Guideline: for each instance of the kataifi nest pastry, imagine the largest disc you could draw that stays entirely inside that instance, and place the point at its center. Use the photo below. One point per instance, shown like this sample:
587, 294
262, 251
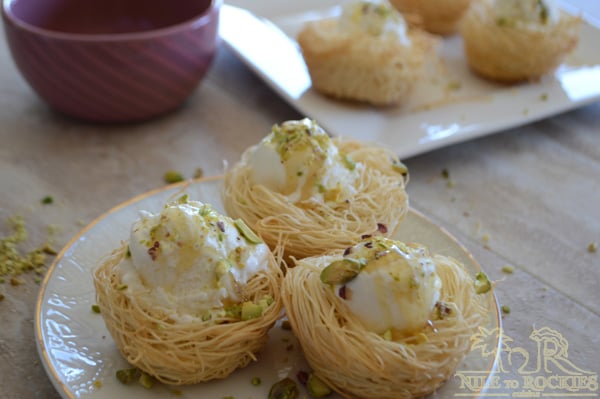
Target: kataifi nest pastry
312, 193
517, 40
191, 295
383, 319
366, 54
436, 16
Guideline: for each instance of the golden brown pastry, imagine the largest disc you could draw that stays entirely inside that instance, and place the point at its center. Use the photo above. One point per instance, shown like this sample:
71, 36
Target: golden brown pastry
436, 16
516, 40
191, 296
383, 319
366, 54
315, 193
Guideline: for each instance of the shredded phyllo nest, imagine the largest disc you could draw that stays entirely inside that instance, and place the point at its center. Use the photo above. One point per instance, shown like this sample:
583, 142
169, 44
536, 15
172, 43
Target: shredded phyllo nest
154, 343
338, 347
513, 51
309, 226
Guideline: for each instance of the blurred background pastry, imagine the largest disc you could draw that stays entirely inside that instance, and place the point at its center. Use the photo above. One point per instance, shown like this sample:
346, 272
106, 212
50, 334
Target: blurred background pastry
366, 54
517, 40
436, 16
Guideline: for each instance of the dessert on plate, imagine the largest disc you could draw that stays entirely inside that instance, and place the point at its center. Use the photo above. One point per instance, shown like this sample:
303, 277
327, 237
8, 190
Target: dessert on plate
366, 54
312, 193
191, 295
383, 319
517, 40
436, 16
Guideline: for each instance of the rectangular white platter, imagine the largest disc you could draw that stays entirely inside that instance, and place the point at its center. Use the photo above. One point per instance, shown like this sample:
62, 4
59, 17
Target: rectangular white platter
449, 105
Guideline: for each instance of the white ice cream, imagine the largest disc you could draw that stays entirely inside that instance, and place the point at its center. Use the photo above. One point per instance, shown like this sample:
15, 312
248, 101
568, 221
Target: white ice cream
396, 290
299, 160
189, 261
377, 18
526, 11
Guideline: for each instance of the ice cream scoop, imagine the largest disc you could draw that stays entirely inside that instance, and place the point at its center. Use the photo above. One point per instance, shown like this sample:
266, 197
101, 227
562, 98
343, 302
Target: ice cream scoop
377, 18
299, 160
386, 284
190, 261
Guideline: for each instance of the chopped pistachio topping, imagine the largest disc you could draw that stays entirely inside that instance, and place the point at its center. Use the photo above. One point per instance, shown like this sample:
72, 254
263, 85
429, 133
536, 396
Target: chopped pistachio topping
247, 310
293, 136
234, 311
544, 97
47, 249
316, 387
126, 376
445, 173
505, 309
95, 308
246, 232
502, 21
387, 335
223, 267
13, 262
266, 301
183, 199
47, 200
255, 381
340, 271
284, 389
146, 380
592, 248
251, 311
482, 283
206, 317
121, 287
172, 176
205, 210
372, 17
508, 269
349, 162
399, 167
454, 85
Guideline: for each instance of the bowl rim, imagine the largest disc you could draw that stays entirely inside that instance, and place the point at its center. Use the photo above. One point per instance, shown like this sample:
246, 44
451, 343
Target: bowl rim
192, 23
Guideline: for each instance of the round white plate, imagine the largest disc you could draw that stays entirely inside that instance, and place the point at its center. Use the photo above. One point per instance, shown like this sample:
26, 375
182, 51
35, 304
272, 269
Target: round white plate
81, 358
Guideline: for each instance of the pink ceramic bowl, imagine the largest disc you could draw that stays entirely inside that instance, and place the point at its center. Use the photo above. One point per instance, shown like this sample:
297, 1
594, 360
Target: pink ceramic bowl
112, 60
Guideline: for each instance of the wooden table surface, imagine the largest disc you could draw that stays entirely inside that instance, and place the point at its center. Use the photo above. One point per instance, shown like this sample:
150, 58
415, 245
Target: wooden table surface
527, 197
